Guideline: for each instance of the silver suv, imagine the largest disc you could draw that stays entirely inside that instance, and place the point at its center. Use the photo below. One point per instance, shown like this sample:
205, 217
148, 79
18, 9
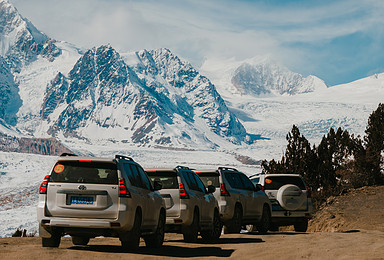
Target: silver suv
86, 197
290, 198
190, 206
240, 202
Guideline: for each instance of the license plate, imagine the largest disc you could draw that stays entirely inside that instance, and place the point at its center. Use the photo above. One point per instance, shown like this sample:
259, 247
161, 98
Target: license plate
82, 200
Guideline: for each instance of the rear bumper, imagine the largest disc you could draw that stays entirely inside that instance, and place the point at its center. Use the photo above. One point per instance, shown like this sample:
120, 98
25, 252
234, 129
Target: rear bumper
48, 224
226, 210
185, 217
289, 217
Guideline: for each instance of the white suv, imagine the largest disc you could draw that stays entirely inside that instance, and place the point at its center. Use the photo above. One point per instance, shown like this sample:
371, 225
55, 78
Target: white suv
190, 206
86, 197
290, 198
240, 202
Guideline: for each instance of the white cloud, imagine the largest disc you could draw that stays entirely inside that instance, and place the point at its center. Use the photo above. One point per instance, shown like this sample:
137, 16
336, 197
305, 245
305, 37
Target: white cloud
197, 29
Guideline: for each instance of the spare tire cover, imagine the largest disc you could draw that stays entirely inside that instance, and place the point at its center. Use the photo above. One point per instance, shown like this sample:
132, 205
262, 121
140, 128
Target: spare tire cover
290, 197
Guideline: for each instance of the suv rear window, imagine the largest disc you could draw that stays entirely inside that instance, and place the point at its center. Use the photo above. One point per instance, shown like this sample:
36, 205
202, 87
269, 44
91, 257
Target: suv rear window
275, 182
167, 179
210, 178
84, 172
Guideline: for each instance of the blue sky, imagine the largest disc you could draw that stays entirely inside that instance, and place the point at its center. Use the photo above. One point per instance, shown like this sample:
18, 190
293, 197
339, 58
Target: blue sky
338, 41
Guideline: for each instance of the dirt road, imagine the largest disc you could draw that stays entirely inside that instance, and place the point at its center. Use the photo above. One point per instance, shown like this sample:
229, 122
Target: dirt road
355, 244
356, 220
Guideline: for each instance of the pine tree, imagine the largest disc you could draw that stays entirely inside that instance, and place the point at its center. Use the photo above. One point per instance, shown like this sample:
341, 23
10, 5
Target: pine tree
299, 157
374, 152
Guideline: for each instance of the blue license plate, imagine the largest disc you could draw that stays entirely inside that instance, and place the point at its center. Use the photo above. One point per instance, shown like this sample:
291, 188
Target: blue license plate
82, 200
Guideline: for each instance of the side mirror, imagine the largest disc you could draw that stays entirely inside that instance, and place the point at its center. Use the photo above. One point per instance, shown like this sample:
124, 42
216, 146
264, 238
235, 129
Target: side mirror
157, 185
258, 187
211, 189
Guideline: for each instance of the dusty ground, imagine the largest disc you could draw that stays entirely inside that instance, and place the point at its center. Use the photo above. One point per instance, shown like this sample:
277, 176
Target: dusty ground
358, 209
356, 220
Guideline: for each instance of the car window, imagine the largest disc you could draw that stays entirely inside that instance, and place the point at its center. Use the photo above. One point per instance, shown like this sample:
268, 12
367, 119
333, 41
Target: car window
191, 181
210, 179
133, 175
167, 179
234, 180
247, 182
146, 182
200, 184
84, 172
275, 182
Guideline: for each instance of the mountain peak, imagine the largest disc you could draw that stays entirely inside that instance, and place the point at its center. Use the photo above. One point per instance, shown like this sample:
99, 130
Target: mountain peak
20, 40
267, 77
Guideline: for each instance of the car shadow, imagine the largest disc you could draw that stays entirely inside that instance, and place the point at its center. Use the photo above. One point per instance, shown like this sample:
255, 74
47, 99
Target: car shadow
225, 240
278, 233
166, 250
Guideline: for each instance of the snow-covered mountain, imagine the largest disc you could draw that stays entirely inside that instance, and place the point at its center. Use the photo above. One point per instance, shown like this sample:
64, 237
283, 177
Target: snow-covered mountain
158, 99
259, 77
10, 101
93, 95
21, 42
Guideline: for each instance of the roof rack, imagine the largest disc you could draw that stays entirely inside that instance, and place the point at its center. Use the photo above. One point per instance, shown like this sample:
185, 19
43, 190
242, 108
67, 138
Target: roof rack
182, 167
68, 154
228, 168
122, 157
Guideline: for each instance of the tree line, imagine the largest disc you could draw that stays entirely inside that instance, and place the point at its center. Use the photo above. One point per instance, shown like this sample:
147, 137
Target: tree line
340, 161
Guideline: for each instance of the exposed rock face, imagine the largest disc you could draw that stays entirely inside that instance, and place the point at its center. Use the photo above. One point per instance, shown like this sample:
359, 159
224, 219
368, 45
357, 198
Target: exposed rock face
44, 146
10, 100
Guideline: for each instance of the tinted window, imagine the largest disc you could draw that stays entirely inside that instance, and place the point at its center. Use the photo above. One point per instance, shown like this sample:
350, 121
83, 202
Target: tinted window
168, 179
191, 181
144, 178
133, 175
200, 184
210, 179
246, 182
84, 172
234, 180
275, 182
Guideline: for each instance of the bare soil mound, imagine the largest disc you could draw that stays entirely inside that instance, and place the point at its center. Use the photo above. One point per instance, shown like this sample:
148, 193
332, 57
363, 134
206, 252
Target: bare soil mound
357, 209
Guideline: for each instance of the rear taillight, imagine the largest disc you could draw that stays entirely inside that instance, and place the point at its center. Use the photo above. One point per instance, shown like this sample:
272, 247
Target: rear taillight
309, 192
183, 192
123, 191
44, 185
223, 190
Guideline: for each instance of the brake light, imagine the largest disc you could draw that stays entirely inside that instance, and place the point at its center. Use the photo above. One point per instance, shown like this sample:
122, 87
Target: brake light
123, 191
309, 192
183, 192
223, 190
85, 161
44, 185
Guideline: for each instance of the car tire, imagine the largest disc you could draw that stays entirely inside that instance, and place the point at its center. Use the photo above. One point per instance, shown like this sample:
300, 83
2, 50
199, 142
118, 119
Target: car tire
131, 240
191, 232
234, 225
301, 226
265, 222
215, 233
53, 241
80, 241
290, 197
156, 240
